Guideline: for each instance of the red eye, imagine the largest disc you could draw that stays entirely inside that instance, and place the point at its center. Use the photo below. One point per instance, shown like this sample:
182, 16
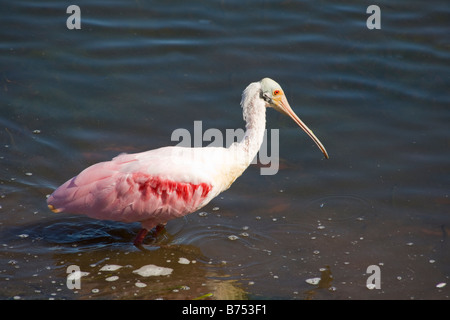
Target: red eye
276, 92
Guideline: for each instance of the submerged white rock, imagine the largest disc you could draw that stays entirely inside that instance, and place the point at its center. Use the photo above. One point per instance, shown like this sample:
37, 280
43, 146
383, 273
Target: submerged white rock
183, 261
110, 267
140, 284
313, 281
151, 270
112, 278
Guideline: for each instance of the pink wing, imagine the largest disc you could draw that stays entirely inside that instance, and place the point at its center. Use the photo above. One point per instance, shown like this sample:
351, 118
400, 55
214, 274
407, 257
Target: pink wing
127, 189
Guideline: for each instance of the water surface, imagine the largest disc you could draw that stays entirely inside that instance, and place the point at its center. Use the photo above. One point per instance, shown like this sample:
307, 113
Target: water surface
137, 70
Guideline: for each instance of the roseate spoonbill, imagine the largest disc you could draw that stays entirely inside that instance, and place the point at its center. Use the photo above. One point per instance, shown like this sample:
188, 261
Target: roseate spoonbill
156, 186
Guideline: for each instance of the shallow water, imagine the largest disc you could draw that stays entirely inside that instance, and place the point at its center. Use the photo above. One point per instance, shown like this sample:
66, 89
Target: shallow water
136, 71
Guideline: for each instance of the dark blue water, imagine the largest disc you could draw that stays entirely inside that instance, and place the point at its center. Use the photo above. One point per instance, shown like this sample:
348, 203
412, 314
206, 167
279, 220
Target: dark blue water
138, 70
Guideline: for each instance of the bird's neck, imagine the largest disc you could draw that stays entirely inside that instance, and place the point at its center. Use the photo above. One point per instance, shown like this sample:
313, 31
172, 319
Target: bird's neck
240, 154
254, 112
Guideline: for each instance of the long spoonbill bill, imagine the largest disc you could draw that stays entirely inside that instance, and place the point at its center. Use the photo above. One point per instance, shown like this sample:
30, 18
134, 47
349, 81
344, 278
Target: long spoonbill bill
159, 185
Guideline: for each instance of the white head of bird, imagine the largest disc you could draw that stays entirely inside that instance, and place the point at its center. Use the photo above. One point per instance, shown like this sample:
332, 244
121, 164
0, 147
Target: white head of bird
273, 95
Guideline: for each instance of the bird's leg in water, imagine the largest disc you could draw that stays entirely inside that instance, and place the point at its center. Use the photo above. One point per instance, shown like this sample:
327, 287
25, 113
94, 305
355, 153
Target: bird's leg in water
158, 229
140, 237
143, 232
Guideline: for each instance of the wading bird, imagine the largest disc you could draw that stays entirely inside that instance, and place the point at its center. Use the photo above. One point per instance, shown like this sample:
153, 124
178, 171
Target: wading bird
159, 185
